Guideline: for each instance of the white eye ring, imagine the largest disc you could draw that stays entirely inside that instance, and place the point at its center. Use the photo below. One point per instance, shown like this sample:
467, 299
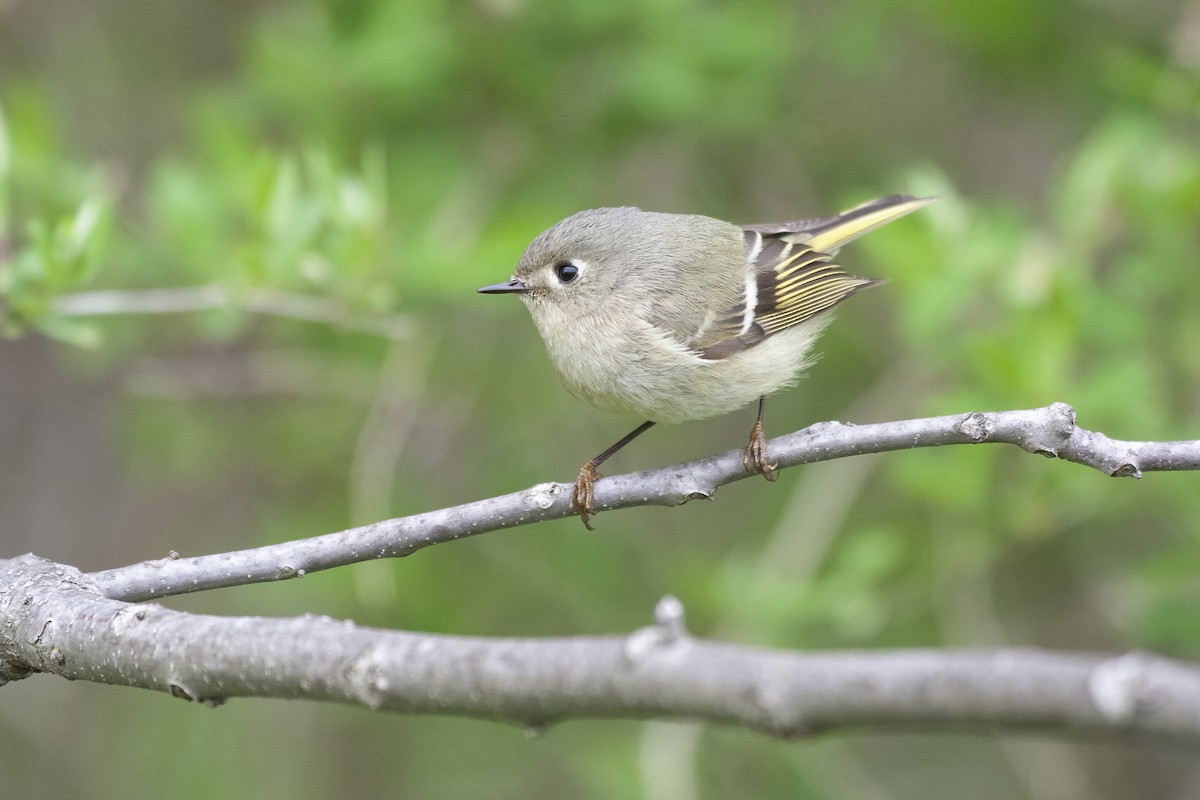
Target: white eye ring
567, 271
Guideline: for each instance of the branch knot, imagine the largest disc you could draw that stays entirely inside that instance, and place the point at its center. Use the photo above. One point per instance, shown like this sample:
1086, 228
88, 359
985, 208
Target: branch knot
1114, 686
669, 627
975, 426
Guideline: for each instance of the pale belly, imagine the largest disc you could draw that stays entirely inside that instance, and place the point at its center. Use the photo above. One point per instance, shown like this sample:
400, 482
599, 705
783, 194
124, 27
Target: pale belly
650, 377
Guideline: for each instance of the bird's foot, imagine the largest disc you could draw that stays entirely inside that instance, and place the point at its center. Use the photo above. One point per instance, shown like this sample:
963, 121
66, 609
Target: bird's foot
583, 493
755, 457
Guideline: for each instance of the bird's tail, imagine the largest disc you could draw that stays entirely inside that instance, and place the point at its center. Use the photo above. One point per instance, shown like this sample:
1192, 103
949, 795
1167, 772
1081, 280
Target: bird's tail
847, 226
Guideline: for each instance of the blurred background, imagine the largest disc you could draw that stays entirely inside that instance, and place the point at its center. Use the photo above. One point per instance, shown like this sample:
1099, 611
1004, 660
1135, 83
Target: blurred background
239, 248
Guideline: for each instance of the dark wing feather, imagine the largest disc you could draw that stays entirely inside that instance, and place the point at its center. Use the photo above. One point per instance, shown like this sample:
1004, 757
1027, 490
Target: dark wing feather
794, 283
801, 286
795, 278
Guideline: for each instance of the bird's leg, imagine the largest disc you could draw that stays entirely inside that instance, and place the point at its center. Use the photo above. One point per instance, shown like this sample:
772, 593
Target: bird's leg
755, 457
583, 493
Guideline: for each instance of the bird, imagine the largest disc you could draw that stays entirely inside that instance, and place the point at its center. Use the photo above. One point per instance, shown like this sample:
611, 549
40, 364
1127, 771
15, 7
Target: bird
678, 317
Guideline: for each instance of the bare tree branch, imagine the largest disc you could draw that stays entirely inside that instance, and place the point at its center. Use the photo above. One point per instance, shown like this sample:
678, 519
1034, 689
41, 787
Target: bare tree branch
54, 620
1049, 431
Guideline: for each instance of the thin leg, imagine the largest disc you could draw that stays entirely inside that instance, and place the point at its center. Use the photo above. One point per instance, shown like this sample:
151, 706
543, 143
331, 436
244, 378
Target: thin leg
755, 458
582, 494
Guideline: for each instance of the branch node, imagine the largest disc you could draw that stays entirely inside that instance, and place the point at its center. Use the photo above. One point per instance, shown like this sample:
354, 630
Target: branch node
180, 691
1113, 686
367, 678
126, 618
975, 426
670, 619
1039, 449
1126, 470
544, 495
669, 628
641, 642
184, 693
1066, 412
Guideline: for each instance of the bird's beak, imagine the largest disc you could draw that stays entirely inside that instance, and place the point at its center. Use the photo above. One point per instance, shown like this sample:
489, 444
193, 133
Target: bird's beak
512, 287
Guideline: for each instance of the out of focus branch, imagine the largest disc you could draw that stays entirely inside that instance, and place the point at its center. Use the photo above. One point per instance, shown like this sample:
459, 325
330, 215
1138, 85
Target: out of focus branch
53, 619
256, 301
1049, 431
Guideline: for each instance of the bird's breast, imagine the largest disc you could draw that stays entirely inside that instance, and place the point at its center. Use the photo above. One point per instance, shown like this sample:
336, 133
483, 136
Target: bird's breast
629, 367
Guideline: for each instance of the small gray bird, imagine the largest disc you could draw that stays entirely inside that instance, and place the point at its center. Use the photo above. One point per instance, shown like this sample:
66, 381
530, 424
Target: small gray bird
672, 317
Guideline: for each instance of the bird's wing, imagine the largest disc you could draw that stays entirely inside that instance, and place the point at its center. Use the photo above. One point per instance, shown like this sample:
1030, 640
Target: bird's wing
793, 277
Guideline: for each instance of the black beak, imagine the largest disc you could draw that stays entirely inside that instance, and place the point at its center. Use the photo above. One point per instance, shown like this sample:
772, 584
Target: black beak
512, 287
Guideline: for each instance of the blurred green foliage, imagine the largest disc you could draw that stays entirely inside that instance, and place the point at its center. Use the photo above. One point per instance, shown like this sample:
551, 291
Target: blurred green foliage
377, 160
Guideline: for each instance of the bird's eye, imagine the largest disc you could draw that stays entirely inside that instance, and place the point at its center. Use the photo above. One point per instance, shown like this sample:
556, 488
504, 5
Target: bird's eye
566, 272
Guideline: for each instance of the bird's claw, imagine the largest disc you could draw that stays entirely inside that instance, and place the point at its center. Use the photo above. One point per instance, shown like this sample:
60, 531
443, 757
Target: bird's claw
583, 493
755, 457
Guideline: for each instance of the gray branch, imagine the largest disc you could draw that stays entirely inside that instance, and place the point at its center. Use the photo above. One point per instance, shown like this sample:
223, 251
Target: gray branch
53, 619
308, 308
1049, 431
